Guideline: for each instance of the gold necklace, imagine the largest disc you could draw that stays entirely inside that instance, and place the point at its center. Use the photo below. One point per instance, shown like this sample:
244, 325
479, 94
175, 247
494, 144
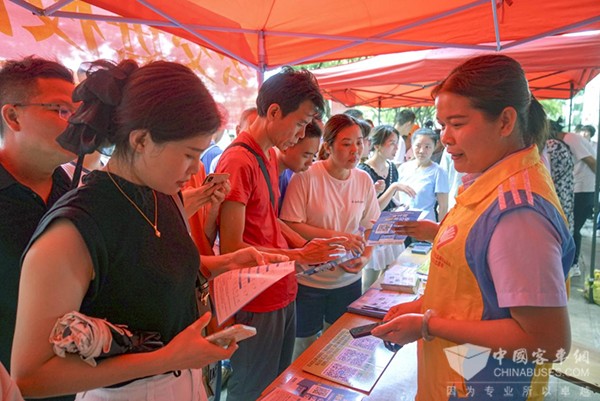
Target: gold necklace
155, 225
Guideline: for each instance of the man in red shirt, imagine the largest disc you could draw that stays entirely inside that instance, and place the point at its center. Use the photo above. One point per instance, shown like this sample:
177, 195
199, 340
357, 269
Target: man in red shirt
286, 102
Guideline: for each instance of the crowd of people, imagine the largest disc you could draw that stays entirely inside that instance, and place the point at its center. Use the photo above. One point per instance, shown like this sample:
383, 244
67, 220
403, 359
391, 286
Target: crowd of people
141, 233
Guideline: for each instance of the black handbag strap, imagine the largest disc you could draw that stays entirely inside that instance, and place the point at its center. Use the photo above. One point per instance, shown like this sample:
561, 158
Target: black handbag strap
263, 167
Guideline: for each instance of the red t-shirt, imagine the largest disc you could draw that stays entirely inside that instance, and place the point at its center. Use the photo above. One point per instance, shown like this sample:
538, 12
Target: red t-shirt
248, 186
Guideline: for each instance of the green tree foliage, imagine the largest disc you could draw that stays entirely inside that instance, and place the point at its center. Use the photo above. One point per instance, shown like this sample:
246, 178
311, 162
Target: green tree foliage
553, 108
566, 109
325, 64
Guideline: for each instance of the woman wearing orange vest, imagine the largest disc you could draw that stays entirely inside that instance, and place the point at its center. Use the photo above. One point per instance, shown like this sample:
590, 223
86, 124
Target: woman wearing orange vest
494, 314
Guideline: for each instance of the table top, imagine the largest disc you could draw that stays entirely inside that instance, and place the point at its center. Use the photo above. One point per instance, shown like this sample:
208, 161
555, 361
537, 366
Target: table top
398, 381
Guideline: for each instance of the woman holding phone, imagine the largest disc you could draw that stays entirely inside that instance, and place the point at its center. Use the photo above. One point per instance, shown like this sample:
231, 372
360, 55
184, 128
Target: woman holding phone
118, 248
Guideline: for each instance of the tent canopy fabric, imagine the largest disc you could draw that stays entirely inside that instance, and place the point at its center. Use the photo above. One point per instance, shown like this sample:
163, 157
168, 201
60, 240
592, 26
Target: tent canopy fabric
266, 34
69, 41
556, 67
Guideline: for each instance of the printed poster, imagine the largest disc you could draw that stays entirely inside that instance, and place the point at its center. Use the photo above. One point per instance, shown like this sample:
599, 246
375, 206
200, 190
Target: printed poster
234, 289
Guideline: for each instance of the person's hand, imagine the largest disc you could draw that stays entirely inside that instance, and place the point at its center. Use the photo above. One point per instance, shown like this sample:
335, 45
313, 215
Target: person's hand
421, 230
320, 250
250, 256
219, 194
355, 243
189, 350
401, 309
355, 265
405, 188
379, 186
401, 330
195, 198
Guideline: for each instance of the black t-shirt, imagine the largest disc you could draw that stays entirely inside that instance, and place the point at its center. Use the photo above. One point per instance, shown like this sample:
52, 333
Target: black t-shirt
392, 177
141, 280
20, 212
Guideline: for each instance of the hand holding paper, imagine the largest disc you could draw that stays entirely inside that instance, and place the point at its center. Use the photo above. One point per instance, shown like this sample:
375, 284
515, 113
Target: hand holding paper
383, 232
250, 256
234, 289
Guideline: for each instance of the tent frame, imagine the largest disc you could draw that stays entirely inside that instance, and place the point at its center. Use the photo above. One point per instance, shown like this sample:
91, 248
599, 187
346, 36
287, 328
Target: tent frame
261, 67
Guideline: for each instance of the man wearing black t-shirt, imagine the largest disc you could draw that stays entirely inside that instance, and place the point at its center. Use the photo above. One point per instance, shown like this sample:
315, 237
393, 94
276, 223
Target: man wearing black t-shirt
35, 95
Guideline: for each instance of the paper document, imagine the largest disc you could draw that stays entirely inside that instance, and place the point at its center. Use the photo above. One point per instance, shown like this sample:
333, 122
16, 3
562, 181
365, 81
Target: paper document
234, 289
355, 363
376, 302
382, 233
279, 394
302, 389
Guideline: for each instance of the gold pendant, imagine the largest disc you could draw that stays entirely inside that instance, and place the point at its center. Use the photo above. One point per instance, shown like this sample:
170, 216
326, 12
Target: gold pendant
156, 232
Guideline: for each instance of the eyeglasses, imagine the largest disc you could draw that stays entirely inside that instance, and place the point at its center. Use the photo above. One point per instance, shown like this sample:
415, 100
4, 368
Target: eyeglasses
63, 112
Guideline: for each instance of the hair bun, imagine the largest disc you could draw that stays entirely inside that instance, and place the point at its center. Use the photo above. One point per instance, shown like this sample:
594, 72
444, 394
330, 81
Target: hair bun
92, 125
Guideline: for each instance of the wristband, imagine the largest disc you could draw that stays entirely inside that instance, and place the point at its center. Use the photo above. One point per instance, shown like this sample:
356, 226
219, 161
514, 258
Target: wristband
425, 325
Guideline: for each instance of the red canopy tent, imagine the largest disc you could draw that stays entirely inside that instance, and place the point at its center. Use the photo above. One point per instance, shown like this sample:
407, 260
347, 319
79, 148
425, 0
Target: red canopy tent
266, 34
556, 67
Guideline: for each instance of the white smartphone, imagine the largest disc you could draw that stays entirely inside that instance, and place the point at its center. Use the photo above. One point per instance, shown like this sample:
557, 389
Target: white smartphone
216, 178
237, 332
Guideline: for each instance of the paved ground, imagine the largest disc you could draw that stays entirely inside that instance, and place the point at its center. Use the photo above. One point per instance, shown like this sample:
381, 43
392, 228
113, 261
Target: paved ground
585, 327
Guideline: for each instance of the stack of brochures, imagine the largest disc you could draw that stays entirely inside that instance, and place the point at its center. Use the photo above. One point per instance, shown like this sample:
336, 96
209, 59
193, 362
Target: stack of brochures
401, 277
421, 248
376, 302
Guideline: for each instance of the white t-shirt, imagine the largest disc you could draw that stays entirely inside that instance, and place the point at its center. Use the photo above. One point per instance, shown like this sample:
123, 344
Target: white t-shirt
585, 179
454, 177
316, 198
427, 182
400, 153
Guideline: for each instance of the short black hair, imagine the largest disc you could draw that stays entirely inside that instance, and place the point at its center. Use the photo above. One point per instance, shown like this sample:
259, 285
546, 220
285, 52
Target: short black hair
405, 116
589, 129
18, 78
365, 127
312, 130
289, 89
355, 113
426, 132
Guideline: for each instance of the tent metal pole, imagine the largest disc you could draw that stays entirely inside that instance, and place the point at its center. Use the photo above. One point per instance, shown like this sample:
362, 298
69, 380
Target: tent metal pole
48, 11
590, 278
261, 58
556, 31
379, 111
571, 89
496, 30
189, 30
260, 77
